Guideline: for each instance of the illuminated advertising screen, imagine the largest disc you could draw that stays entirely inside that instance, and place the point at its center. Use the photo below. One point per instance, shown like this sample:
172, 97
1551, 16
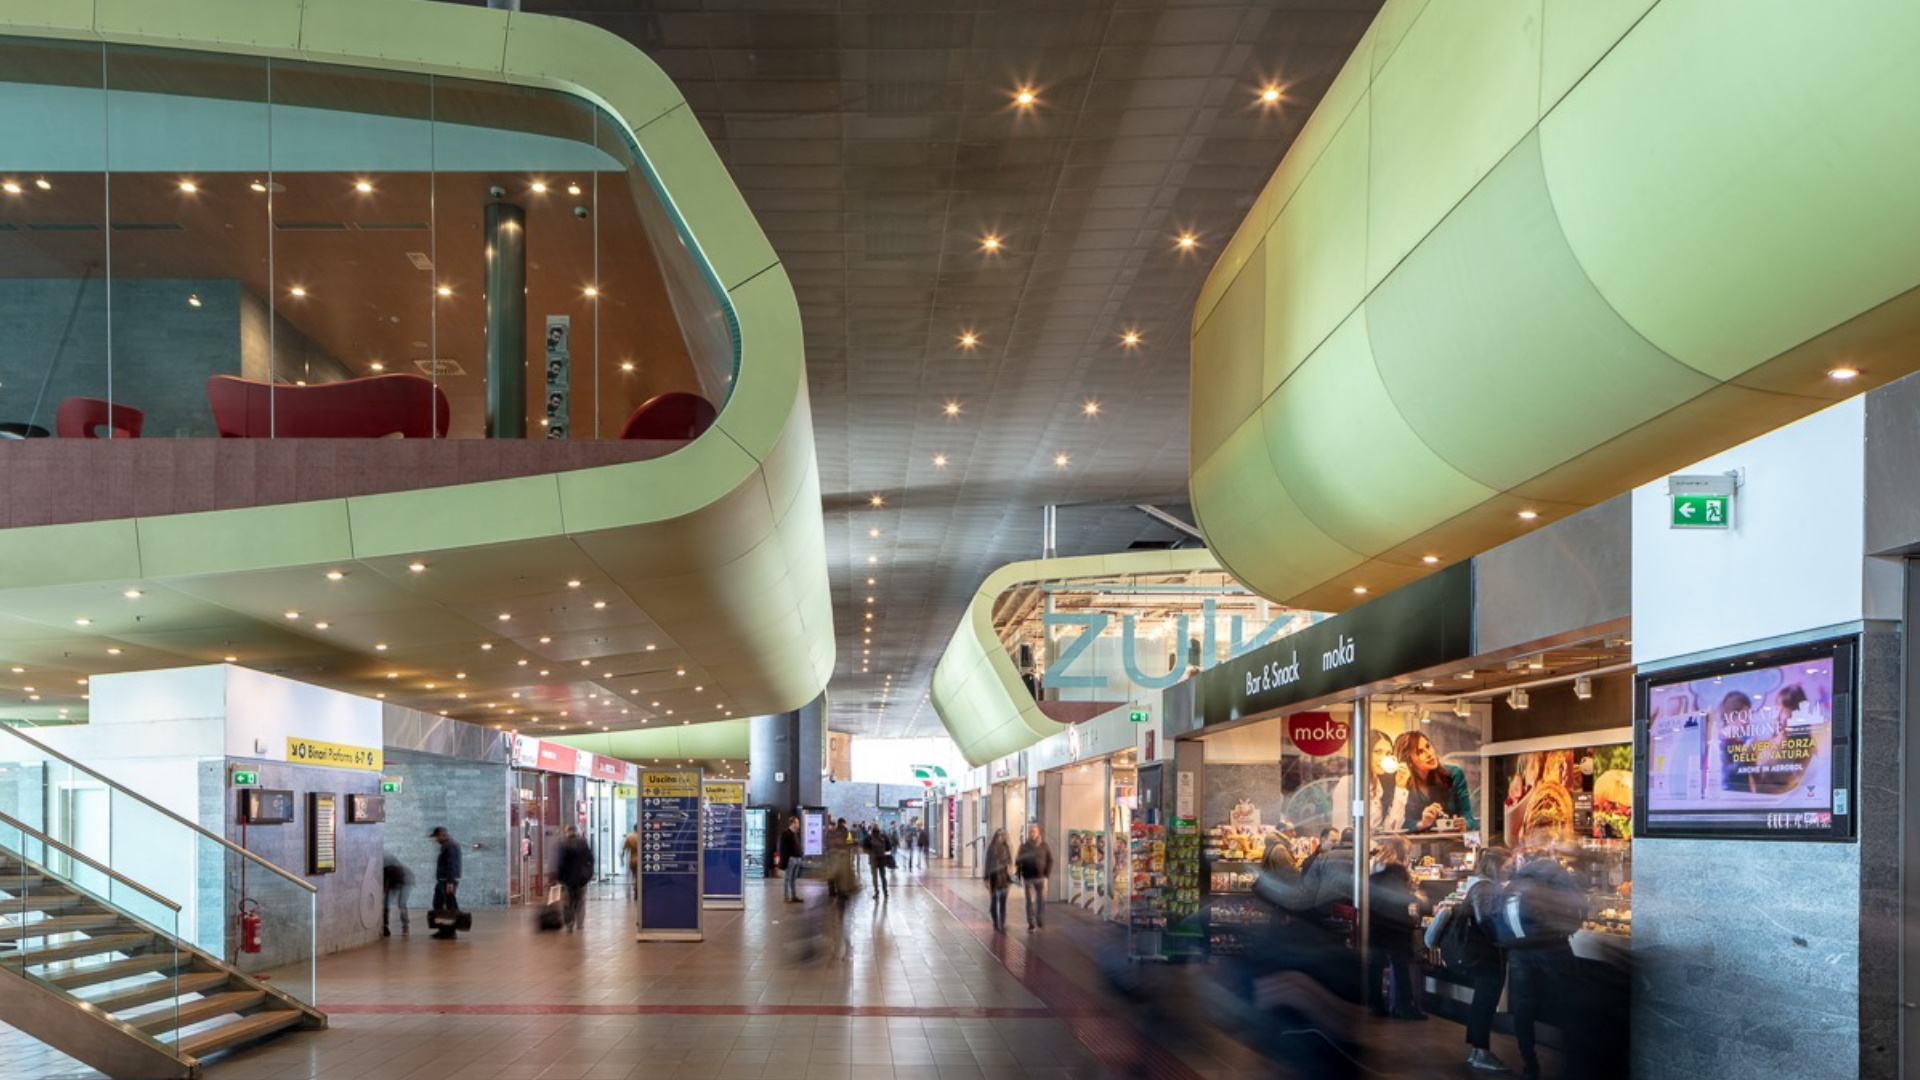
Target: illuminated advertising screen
1758, 747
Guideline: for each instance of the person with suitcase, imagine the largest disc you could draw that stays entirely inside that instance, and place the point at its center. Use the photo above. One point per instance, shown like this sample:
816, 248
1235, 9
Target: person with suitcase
574, 872
446, 885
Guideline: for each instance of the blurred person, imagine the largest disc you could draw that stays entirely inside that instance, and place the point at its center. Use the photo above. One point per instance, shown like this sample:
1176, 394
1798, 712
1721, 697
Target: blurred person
1035, 862
843, 882
630, 848
398, 882
574, 872
1393, 915
1328, 839
1542, 906
1480, 902
787, 857
999, 877
879, 853
446, 878
1278, 858
920, 836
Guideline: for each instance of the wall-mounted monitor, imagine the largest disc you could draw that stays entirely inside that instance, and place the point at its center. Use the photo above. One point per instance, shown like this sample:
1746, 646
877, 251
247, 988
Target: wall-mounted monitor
322, 832
366, 809
1757, 747
265, 806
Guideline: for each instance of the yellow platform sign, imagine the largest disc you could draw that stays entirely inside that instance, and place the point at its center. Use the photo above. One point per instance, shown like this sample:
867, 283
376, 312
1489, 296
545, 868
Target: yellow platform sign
333, 755
670, 785
720, 791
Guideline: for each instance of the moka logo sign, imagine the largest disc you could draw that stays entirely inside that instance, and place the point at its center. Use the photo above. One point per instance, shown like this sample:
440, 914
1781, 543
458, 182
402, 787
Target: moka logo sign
1094, 625
1342, 654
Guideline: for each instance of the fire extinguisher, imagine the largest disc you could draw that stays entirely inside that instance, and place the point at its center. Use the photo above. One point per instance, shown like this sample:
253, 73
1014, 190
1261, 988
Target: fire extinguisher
249, 925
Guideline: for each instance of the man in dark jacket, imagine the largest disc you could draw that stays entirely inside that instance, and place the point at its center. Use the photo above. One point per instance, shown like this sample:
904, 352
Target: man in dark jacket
398, 880
879, 845
446, 878
575, 871
788, 858
1035, 862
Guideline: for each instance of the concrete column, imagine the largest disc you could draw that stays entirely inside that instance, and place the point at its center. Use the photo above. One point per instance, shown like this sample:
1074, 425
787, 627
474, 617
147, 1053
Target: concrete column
506, 255
785, 752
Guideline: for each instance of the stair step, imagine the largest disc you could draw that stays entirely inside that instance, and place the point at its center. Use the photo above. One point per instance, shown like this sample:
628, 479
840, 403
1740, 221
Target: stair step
62, 924
13, 884
198, 982
73, 950
94, 974
247, 1028
44, 902
189, 1013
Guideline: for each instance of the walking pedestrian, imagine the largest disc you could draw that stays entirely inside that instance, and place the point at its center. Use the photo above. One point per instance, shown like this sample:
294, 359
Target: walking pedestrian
630, 847
1541, 909
920, 834
879, 854
1391, 920
1035, 862
999, 878
1462, 932
446, 879
398, 881
787, 858
574, 872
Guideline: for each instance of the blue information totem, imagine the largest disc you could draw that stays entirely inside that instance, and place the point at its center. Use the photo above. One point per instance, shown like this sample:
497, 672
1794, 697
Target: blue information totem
723, 839
670, 855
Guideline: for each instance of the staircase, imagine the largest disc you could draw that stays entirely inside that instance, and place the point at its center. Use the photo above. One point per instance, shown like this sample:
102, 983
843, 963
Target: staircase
91, 979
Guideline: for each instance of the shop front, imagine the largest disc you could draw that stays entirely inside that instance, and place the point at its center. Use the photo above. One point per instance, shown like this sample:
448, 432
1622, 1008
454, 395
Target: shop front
1087, 777
554, 786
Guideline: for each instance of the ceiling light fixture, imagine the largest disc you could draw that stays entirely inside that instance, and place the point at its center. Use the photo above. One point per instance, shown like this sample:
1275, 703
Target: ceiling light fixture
486, 646
258, 187
189, 187
335, 575
11, 187
1025, 97
375, 365
573, 189
1186, 242
506, 617
968, 339
1430, 559
113, 652
193, 299
379, 646
1529, 515
626, 365
539, 187
939, 461
445, 290
1091, 408
573, 583
362, 186
591, 291
1359, 590
1060, 461
1270, 95
1843, 374
293, 614
133, 594
230, 659
297, 290
83, 621
989, 243
323, 626
1582, 687
417, 567
1517, 700
1130, 338
876, 501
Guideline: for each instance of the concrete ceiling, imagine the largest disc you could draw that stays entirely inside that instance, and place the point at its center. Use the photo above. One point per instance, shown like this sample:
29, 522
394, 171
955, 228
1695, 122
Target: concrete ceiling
879, 148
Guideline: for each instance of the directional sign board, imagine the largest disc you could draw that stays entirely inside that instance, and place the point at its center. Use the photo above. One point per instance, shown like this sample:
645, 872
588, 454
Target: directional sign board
722, 841
670, 870
1702, 502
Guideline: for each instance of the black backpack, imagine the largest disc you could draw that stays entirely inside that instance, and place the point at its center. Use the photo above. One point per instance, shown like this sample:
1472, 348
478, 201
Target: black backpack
1465, 945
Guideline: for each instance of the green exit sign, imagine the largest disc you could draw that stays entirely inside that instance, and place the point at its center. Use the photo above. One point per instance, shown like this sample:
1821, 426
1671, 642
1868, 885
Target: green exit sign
245, 778
1702, 511
1138, 716
389, 787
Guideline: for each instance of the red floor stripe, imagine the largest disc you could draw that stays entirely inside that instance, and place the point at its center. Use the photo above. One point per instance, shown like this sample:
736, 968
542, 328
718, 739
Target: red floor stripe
932, 1012
1111, 1038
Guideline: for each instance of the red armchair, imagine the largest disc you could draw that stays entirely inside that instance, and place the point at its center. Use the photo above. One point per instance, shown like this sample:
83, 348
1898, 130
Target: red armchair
367, 408
672, 415
80, 417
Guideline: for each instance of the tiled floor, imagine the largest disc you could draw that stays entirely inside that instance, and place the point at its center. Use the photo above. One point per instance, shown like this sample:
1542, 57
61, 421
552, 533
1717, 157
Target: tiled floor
928, 993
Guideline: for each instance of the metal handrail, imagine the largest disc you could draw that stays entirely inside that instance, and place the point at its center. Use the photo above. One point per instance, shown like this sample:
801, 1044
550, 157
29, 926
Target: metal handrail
12, 822
161, 810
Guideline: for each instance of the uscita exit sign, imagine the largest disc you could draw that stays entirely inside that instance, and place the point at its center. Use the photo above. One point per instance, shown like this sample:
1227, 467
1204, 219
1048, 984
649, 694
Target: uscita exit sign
245, 778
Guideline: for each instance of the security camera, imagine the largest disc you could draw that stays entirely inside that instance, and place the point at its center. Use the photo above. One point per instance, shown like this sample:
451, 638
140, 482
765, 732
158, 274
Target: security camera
497, 192
580, 212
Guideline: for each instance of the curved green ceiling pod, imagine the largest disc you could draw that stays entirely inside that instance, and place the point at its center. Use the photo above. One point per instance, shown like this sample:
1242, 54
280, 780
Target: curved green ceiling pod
976, 687
724, 739
1528, 255
721, 544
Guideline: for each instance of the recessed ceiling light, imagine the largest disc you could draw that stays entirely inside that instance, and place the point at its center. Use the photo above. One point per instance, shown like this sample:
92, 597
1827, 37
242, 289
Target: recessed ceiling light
193, 299
297, 290
968, 339
293, 614
379, 646
599, 604
393, 674
939, 461
1529, 515
1270, 94
989, 243
1359, 590
591, 292
873, 533
417, 567
650, 646
573, 189
11, 187
258, 186
375, 365
133, 594
626, 365
1025, 97
543, 671
362, 186
83, 621
19, 671
539, 187
1186, 241
680, 671
1843, 374
189, 186
1091, 408
323, 626
113, 652
335, 575
1130, 338
230, 659
445, 290
1429, 559
505, 617
486, 646
573, 583
1060, 460
876, 501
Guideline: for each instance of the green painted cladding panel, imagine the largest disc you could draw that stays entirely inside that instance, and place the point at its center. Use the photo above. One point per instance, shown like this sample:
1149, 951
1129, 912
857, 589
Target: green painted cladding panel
237, 22
1241, 503
1456, 95
770, 325
1316, 270
703, 194
1492, 317
69, 554
1388, 31
1577, 34
1738, 177
257, 538
466, 515
1349, 459
1226, 360
599, 65
402, 36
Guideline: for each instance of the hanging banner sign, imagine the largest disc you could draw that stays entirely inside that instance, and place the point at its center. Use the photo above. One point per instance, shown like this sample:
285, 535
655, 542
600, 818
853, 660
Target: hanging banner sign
670, 855
723, 843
